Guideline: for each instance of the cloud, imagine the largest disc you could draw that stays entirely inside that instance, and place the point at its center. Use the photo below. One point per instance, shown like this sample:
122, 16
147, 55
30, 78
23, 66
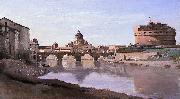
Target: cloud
100, 22
95, 26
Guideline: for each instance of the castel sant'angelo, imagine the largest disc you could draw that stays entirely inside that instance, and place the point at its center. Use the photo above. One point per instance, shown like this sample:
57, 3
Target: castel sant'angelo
154, 34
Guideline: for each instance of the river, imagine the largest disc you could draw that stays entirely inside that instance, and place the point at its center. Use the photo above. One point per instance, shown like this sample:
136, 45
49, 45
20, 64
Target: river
154, 82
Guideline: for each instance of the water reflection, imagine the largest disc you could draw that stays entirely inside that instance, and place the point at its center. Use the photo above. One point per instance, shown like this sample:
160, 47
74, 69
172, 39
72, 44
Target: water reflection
147, 81
106, 81
158, 83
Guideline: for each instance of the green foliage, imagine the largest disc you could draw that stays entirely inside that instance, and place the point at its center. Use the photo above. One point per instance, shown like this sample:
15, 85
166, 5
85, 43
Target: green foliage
129, 50
24, 56
174, 53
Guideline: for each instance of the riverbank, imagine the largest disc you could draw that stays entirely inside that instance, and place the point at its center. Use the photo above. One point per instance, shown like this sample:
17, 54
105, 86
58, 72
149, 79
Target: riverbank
147, 63
164, 64
28, 76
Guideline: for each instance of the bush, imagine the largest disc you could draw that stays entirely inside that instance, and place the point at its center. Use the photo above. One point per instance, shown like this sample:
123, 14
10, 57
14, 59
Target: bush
24, 56
4, 54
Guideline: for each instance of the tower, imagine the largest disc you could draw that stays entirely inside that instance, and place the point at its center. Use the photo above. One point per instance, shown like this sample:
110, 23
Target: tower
79, 40
154, 34
78, 36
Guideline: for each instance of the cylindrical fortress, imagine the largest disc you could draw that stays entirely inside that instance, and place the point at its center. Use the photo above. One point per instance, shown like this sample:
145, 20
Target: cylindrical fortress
154, 34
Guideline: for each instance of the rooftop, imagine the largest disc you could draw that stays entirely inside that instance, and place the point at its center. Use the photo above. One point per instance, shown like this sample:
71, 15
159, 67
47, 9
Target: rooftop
4, 18
154, 26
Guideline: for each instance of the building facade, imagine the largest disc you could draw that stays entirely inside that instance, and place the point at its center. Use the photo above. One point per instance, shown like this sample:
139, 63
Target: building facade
79, 44
14, 37
154, 34
34, 48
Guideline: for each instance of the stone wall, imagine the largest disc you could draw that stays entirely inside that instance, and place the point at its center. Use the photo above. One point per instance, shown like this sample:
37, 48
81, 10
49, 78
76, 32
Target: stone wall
87, 61
135, 55
155, 34
16, 36
52, 60
68, 62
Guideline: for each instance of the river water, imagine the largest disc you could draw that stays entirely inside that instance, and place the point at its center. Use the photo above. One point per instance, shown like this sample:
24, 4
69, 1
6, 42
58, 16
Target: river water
154, 82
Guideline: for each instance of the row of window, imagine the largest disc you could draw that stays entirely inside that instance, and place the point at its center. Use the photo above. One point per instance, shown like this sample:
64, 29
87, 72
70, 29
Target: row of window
152, 32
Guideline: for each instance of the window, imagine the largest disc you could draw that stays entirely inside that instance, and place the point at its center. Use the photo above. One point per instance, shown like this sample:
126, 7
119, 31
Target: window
34, 57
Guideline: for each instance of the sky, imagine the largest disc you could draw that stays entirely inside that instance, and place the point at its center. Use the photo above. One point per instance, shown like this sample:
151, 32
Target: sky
102, 22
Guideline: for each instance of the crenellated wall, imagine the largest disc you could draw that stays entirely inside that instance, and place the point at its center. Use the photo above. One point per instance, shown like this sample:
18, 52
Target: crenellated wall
154, 34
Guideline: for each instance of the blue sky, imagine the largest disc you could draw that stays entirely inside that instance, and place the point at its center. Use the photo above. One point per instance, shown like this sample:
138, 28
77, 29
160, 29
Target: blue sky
102, 22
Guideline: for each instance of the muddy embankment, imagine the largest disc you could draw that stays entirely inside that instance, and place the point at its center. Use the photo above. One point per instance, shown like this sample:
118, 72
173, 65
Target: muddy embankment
27, 77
